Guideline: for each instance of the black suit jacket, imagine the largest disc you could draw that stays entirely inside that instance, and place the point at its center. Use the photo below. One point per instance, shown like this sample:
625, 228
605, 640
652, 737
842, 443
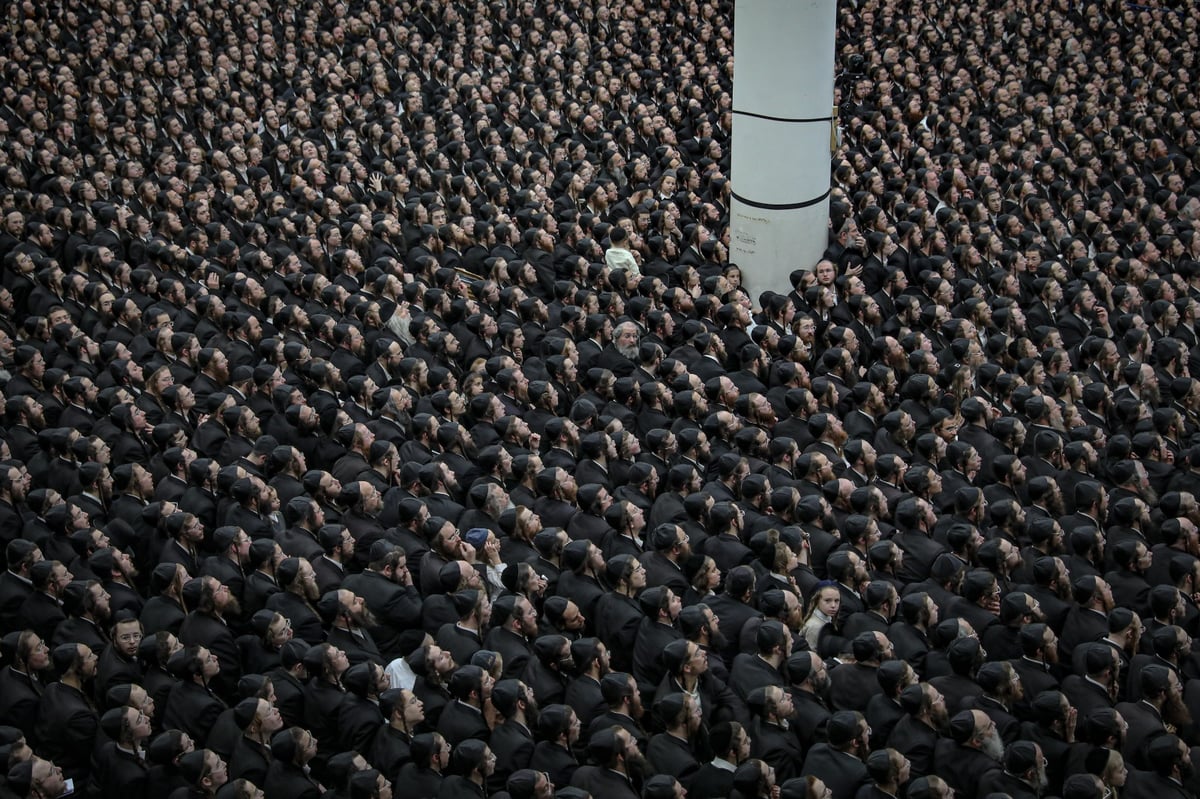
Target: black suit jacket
66, 729
251, 761
460, 721
390, 751
20, 695
14, 591
778, 747
193, 709
200, 629
842, 773
711, 782
288, 781
749, 671
617, 620
42, 613
512, 744
852, 686
667, 754
1002, 782
306, 624
120, 774
916, 740
1148, 785
600, 781
1145, 724
963, 768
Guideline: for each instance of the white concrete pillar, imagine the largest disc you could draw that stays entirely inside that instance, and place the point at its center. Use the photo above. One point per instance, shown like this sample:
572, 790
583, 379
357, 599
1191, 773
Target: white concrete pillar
782, 110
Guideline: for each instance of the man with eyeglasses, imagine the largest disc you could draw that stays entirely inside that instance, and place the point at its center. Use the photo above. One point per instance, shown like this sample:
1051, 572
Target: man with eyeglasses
37, 778
119, 664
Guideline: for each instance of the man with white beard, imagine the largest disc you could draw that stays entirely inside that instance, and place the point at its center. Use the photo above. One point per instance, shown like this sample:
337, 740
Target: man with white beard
1023, 775
973, 750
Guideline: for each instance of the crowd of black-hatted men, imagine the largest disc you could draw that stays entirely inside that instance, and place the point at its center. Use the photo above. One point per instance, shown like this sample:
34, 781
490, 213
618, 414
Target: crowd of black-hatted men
382, 413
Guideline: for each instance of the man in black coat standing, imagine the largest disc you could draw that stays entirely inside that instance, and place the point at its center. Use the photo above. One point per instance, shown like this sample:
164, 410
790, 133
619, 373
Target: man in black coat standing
67, 720
671, 751
121, 771
206, 626
387, 587
771, 738
1171, 767
915, 736
512, 741
617, 760
839, 763
973, 749
1023, 775
191, 705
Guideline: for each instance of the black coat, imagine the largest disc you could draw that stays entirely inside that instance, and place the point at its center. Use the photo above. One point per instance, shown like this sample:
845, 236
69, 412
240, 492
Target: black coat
516, 649
1085, 695
289, 697
161, 613
962, 767
1145, 724
322, 701
398, 608
617, 620
456, 787
778, 747
811, 718
555, 760
999, 781
1148, 785
288, 781
192, 708
599, 781
114, 669
584, 697
390, 751
20, 695
420, 781
251, 761
358, 721
512, 743
459, 642
460, 721
750, 672
711, 782
852, 685
842, 773
259, 588
210, 632
120, 774
915, 740
667, 754
306, 624
652, 638
66, 729
42, 613
14, 591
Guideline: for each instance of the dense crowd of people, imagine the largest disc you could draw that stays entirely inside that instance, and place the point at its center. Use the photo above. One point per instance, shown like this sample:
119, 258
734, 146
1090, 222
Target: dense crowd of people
382, 414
